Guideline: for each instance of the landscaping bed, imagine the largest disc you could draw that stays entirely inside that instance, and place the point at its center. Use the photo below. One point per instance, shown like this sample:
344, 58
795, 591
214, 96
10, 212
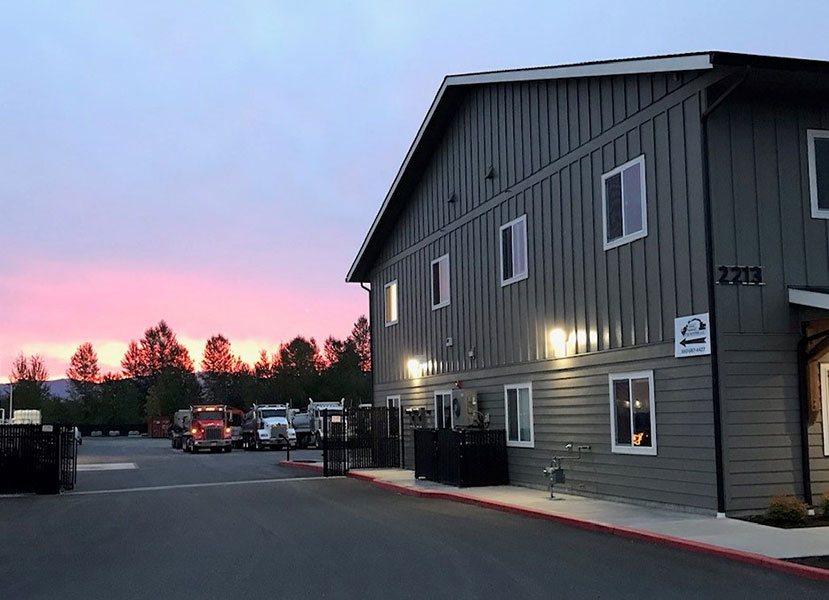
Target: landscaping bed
815, 521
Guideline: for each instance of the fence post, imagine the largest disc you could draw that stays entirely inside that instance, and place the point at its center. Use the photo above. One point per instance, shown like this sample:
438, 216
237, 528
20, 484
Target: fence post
324, 442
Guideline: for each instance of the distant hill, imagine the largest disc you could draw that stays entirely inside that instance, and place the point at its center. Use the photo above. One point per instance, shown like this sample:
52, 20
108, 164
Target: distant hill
57, 387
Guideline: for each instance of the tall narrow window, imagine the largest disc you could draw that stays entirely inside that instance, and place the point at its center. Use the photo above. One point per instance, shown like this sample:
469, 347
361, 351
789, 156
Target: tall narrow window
440, 282
391, 302
514, 251
823, 370
518, 406
818, 142
443, 409
632, 413
624, 204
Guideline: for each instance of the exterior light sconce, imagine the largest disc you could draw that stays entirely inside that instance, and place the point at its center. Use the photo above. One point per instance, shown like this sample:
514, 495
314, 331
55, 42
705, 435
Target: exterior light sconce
558, 343
490, 172
416, 366
471, 354
452, 197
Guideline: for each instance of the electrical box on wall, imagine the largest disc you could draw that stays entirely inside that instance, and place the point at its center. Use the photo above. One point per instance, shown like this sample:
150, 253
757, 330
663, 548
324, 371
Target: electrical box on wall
464, 408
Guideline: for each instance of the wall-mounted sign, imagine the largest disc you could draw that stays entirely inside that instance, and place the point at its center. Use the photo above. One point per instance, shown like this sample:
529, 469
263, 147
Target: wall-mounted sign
692, 336
739, 275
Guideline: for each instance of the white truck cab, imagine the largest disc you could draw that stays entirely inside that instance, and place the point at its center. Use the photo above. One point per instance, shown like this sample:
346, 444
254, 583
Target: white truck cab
267, 426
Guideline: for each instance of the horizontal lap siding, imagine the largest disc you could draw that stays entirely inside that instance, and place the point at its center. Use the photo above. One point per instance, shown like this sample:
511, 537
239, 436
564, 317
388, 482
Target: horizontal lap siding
761, 216
618, 304
571, 404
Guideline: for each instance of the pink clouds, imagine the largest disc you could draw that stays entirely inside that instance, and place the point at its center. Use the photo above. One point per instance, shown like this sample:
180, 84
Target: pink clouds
50, 308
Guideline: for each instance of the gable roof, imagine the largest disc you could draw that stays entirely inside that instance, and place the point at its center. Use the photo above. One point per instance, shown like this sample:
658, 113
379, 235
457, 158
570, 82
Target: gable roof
450, 92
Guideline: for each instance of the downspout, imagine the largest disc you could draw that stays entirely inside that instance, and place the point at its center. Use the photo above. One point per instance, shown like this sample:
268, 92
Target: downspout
370, 340
803, 387
712, 309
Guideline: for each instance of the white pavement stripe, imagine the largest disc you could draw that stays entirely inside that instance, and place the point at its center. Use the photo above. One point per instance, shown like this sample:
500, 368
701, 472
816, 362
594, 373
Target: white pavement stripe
107, 467
196, 485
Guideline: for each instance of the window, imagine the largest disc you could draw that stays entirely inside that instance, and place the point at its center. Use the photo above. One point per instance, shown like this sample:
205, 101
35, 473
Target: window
632, 413
624, 206
818, 142
440, 282
443, 409
518, 400
514, 251
391, 302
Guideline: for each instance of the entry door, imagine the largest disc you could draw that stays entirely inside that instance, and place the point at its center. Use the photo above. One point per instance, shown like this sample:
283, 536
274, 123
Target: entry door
394, 402
824, 399
443, 410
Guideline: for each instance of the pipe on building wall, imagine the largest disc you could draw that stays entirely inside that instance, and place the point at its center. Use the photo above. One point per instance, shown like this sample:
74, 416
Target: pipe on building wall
712, 309
370, 341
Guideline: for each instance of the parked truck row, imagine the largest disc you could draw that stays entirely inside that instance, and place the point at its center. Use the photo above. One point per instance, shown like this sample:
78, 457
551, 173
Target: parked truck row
219, 427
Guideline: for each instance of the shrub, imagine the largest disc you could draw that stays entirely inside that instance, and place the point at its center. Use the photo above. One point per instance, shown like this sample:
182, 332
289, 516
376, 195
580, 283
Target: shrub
823, 503
787, 509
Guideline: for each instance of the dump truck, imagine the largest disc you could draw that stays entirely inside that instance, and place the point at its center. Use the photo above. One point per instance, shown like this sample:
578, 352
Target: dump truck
208, 429
308, 425
179, 427
267, 426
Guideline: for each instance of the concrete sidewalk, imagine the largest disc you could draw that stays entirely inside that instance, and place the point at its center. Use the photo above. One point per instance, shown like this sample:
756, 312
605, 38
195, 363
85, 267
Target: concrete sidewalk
725, 533
732, 538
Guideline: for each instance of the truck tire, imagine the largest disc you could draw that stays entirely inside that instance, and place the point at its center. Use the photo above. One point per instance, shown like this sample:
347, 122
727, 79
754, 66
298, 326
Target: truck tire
229, 448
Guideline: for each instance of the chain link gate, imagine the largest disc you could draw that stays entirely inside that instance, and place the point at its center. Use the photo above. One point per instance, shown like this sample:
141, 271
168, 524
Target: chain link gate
360, 438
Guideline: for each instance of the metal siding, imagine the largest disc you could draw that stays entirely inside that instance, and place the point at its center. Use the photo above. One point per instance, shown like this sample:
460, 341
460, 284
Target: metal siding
761, 216
548, 160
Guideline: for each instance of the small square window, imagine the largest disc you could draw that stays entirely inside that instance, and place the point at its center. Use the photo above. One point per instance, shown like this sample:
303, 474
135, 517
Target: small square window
632, 413
391, 303
514, 251
518, 407
443, 410
440, 282
818, 142
624, 204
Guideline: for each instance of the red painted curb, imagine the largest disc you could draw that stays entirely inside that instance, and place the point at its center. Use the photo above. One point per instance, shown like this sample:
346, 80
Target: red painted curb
300, 465
626, 532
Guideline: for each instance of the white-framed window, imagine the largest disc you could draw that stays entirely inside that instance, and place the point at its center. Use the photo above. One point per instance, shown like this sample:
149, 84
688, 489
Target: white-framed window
624, 203
818, 146
393, 402
443, 409
518, 408
824, 399
632, 413
514, 251
390, 291
440, 282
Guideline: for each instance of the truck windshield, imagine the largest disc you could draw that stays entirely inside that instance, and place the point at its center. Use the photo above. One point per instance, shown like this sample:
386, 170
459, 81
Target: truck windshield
209, 416
272, 412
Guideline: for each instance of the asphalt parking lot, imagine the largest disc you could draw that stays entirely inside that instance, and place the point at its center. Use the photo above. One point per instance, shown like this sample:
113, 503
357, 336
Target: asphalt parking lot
240, 526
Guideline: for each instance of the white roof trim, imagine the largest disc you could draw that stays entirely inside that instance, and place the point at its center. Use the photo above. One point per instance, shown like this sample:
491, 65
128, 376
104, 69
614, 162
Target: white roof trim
809, 298
633, 66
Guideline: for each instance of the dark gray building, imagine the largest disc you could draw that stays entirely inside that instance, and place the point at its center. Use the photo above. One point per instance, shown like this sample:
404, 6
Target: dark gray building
630, 255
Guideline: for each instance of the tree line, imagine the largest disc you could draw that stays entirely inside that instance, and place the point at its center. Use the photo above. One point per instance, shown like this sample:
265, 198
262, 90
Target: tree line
158, 377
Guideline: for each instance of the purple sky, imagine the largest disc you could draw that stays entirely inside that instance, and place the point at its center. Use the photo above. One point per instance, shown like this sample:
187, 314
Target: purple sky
218, 164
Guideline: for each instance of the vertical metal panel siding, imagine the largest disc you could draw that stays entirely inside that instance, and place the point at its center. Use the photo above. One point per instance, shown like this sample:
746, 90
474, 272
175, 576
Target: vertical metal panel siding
619, 298
761, 216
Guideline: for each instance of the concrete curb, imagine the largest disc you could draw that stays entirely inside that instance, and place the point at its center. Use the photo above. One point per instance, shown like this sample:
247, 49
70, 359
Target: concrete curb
626, 532
301, 465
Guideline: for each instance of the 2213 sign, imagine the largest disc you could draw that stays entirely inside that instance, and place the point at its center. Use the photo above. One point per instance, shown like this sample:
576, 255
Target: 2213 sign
739, 275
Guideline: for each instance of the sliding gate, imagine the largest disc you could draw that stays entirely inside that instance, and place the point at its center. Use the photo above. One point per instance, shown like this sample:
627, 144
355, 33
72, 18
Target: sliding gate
360, 438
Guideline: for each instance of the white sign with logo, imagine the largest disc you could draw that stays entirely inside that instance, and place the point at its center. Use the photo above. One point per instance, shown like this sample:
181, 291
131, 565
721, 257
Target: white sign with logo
692, 336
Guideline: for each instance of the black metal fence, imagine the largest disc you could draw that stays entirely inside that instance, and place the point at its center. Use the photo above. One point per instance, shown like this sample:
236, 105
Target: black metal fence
37, 458
462, 457
360, 438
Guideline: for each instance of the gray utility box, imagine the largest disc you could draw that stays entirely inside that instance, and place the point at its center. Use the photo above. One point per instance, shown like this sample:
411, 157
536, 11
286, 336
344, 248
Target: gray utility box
464, 408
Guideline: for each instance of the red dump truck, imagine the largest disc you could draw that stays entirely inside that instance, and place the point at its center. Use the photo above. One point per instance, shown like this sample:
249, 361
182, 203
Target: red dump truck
209, 428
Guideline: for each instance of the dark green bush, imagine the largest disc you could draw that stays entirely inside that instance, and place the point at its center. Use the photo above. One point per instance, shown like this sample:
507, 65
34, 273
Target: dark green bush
787, 509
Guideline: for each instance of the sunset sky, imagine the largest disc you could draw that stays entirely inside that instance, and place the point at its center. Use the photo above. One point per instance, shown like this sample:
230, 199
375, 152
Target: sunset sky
217, 164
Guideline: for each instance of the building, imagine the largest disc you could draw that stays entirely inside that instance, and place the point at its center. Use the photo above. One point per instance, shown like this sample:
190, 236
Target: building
631, 255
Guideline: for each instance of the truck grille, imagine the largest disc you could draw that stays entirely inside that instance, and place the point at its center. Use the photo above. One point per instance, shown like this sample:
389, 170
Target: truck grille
212, 433
277, 431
